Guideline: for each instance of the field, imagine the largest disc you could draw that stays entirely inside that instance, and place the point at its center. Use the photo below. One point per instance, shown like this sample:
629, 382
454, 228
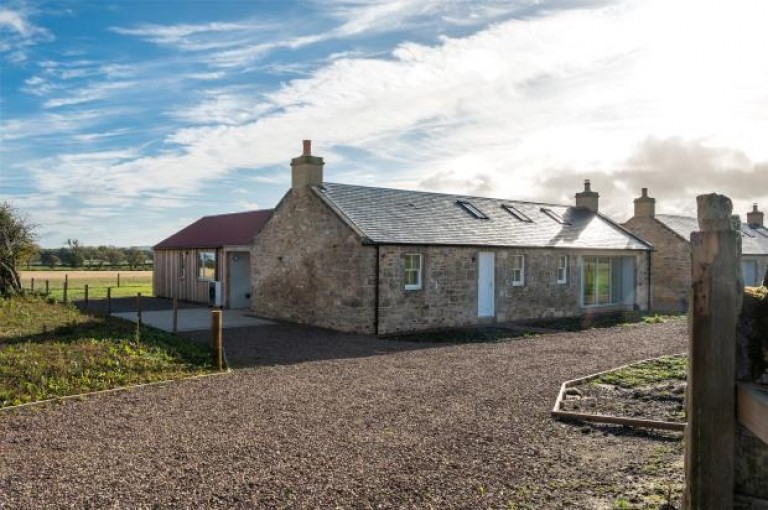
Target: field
130, 283
52, 350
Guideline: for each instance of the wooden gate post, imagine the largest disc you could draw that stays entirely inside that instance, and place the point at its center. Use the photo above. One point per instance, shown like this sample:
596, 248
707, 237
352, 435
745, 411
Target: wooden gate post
217, 340
175, 328
717, 287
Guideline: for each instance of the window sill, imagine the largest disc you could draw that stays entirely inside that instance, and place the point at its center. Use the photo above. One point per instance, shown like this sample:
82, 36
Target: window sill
411, 288
518, 284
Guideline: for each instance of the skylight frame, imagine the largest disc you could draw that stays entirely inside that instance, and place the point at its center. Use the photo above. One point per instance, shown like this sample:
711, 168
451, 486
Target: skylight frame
552, 214
516, 213
472, 209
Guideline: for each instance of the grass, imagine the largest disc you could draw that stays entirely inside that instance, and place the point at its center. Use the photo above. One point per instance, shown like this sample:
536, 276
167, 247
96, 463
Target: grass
647, 373
53, 350
130, 285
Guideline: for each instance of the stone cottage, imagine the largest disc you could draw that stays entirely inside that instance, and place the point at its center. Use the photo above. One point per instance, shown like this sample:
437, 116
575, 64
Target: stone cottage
383, 261
671, 258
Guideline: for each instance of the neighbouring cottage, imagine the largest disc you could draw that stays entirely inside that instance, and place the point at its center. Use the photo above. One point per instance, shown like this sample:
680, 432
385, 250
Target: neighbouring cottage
383, 261
209, 260
671, 258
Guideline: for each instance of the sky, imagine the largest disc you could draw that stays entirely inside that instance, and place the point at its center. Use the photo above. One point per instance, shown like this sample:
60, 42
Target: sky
123, 121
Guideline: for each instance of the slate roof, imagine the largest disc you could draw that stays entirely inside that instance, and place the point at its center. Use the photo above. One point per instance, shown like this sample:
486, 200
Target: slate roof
218, 231
392, 216
754, 241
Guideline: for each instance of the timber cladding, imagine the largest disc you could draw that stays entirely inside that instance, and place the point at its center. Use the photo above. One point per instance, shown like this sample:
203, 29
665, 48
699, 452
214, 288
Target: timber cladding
172, 278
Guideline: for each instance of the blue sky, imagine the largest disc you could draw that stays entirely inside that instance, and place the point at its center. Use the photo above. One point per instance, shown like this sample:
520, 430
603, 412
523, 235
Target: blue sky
123, 121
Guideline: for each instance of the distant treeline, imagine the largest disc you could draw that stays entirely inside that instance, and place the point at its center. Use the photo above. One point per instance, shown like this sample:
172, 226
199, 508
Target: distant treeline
91, 257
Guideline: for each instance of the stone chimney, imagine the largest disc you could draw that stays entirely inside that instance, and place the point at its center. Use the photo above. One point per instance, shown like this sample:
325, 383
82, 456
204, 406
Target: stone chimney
755, 217
645, 206
587, 199
306, 170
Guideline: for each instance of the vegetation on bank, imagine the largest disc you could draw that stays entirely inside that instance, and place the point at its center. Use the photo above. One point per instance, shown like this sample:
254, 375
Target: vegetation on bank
648, 373
52, 350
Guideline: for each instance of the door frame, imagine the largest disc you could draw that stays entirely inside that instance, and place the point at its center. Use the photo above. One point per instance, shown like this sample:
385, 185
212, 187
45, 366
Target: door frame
487, 260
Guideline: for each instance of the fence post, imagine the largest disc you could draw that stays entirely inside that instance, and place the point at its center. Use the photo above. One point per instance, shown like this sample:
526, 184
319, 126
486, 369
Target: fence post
118, 280
109, 300
138, 309
86, 296
175, 314
216, 340
66, 285
716, 295
32, 286
46, 287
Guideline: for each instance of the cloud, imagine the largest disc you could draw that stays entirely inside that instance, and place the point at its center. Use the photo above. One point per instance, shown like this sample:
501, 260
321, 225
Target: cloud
17, 33
90, 93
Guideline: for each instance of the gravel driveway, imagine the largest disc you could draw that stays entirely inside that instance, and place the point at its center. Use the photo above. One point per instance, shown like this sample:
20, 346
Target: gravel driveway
375, 424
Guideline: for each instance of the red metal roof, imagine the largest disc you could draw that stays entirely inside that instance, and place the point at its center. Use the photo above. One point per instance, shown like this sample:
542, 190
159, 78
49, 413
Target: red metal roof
218, 231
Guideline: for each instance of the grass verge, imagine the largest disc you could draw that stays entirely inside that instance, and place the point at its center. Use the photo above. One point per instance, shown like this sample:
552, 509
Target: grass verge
53, 350
648, 373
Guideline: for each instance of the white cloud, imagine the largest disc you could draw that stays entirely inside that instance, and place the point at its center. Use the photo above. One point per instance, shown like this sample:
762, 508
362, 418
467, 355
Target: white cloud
17, 33
92, 92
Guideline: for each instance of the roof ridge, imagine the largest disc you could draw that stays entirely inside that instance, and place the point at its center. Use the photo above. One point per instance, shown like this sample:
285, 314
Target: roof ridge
234, 213
449, 194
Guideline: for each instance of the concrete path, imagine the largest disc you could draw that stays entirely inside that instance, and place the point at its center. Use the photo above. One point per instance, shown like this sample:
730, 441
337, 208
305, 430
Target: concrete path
194, 319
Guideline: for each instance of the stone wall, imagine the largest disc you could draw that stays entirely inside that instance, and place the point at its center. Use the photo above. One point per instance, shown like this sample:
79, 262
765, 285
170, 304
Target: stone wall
448, 297
670, 264
307, 266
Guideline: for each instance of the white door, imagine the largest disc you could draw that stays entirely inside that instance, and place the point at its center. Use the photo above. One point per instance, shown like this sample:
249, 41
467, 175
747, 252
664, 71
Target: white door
239, 280
485, 288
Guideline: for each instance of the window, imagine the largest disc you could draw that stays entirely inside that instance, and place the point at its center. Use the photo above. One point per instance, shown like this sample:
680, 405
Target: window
597, 281
182, 264
206, 265
413, 271
518, 270
552, 214
562, 269
749, 271
515, 212
471, 209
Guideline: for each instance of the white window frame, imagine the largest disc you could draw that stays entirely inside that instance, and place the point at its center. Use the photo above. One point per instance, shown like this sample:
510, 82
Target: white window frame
182, 265
419, 271
562, 265
612, 298
200, 267
518, 281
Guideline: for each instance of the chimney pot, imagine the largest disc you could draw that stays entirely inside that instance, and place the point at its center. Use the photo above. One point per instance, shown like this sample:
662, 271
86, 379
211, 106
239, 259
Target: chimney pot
587, 199
306, 170
645, 206
755, 218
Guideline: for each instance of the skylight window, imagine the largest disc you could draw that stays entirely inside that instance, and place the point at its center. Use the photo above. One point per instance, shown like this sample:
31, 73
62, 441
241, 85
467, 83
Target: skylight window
471, 209
511, 209
745, 232
552, 214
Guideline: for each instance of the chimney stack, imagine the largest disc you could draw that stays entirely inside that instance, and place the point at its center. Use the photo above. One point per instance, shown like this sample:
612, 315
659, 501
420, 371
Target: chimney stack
587, 199
755, 217
306, 170
645, 206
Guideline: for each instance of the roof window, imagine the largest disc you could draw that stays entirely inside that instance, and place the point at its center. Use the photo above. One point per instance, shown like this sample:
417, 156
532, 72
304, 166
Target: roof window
515, 212
745, 232
552, 214
471, 209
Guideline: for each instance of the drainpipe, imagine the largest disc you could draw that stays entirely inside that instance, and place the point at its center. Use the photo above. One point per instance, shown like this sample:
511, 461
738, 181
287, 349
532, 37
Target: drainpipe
376, 300
650, 282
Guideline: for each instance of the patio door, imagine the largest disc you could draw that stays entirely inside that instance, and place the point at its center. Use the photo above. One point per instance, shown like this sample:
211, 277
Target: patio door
486, 263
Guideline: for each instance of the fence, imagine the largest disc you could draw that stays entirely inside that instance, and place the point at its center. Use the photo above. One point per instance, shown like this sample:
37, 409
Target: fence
88, 288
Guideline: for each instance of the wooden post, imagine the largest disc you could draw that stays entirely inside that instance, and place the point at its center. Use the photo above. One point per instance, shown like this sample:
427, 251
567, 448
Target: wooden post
46, 287
175, 314
32, 286
138, 309
118, 280
109, 300
86, 296
217, 340
716, 296
66, 284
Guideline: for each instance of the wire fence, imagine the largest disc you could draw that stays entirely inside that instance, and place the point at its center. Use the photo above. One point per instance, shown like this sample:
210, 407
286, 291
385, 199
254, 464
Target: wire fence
88, 288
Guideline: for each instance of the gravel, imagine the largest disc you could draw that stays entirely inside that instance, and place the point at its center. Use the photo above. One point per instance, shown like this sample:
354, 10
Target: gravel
321, 419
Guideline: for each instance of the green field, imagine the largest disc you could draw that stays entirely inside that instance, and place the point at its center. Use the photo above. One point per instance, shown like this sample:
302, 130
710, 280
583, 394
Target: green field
52, 350
130, 283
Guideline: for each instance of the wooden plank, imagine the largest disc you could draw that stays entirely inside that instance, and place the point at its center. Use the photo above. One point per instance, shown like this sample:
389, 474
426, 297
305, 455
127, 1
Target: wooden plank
752, 410
621, 420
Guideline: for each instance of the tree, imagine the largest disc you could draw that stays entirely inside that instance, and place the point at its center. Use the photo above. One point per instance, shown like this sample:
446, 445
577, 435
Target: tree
17, 243
135, 258
76, 254
114, 256
50, 259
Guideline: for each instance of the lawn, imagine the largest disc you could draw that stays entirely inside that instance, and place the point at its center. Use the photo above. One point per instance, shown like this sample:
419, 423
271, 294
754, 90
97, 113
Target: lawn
647, 373
52, 350
130, 283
